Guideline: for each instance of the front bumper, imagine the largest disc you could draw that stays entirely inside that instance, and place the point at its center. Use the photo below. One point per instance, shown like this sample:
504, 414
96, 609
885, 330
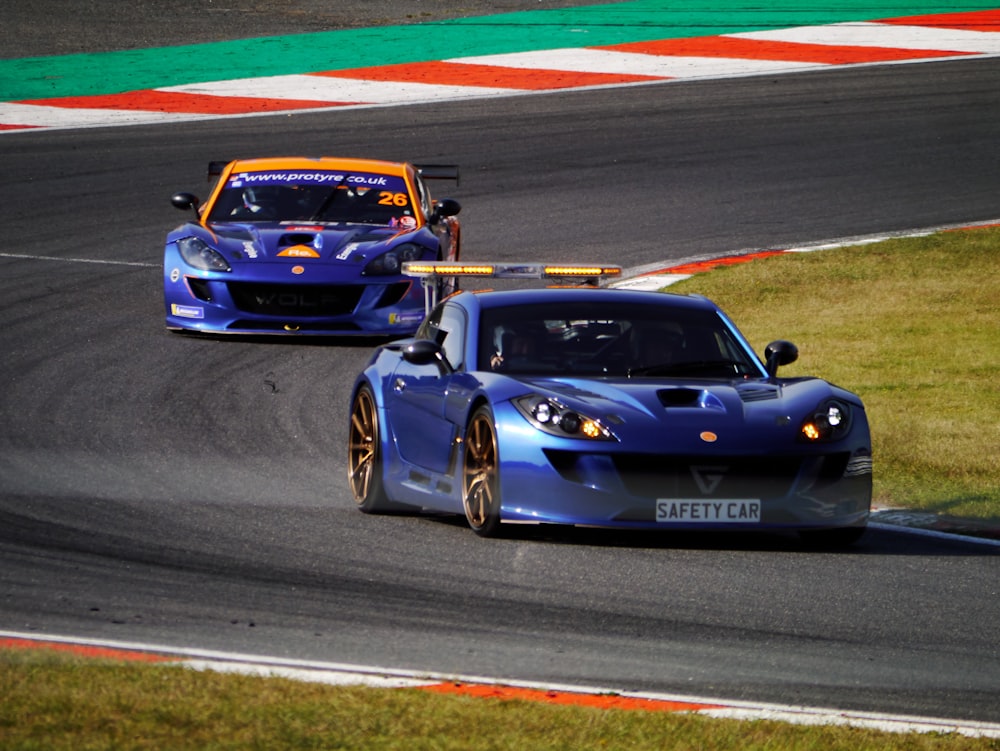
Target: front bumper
603, 484
378, 307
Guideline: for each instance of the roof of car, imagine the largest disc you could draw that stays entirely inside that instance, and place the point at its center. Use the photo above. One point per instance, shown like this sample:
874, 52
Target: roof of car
503, 298
320, 163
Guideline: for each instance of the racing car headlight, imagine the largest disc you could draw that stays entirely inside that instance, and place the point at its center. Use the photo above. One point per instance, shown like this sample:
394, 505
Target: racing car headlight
554, 418
197, 253
391, 262
830, 422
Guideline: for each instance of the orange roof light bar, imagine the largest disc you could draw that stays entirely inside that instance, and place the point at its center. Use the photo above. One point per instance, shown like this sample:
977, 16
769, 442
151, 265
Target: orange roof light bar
589, 271
508, 270
445, 268
429, 271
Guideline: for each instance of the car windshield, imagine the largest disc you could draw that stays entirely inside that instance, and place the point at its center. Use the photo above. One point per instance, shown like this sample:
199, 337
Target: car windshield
314, 196
612, 340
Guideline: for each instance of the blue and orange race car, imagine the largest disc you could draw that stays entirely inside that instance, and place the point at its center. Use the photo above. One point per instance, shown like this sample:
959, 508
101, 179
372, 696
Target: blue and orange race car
307, 246
601, 406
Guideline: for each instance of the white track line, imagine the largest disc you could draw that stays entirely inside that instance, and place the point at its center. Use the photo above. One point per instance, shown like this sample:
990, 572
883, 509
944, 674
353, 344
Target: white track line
336, 90
344, 674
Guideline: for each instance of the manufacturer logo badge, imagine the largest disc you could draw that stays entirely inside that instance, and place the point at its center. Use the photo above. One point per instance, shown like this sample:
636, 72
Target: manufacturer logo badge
708, 478
298, 269
708, 436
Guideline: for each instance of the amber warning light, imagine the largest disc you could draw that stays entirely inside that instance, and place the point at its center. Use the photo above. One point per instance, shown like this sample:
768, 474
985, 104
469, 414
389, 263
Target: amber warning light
429, 271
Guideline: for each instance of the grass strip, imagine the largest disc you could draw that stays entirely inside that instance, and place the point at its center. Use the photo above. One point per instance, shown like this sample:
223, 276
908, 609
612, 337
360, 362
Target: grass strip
57, 702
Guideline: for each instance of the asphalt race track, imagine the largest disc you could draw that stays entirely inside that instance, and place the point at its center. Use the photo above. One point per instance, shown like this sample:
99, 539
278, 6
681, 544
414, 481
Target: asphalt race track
191, 492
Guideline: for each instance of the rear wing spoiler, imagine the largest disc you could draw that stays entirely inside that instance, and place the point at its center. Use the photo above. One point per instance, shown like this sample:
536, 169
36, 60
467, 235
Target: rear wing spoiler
430, 271
215, 168
437, 171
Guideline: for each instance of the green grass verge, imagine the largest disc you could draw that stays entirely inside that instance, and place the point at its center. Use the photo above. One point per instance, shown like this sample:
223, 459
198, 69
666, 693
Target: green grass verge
913, 326
58, 702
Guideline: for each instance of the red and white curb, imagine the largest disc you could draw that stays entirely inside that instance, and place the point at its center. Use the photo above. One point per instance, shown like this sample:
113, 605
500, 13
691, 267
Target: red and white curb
339, 674
656, 276
900, 40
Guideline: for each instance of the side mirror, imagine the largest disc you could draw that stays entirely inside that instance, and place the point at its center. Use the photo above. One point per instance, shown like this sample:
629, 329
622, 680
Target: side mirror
425, 352
445, 207
185, 201
779, 353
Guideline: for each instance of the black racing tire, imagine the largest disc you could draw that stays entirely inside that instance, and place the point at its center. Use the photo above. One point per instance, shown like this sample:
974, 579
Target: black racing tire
364, 455
481, 474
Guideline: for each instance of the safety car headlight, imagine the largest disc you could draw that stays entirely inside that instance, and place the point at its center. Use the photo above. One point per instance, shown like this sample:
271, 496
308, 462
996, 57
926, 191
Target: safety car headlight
554, 418
197, 253
830, 422
391, 262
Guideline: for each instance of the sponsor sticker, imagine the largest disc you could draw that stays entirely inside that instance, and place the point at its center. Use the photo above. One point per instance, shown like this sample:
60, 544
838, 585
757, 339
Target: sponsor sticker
318, 177
406, 318
726, 510
348, 249
299, 251
187, 311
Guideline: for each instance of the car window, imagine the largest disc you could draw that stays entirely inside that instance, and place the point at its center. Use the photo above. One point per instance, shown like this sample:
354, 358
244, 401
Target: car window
424, 195
632, 340
446, 325
315, 196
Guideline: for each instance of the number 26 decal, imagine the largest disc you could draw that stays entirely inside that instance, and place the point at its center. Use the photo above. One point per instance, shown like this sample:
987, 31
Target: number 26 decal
388, 198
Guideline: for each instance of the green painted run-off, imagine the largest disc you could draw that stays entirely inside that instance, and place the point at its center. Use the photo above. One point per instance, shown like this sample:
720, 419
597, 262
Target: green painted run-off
616, 23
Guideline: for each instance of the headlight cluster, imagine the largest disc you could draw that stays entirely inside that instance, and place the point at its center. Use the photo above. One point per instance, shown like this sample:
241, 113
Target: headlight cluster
391, 262
199, 254
830, 422
556, 419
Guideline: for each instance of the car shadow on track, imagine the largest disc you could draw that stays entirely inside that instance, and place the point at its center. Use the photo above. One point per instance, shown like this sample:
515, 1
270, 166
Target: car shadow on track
299, 340
876, 541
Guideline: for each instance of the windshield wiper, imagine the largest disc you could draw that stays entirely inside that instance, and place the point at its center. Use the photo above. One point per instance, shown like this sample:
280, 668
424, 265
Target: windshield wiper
706, 368
328, 201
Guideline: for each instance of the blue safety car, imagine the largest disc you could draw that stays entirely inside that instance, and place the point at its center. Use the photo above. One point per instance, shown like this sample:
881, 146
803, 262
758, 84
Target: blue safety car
296, 245
590, 405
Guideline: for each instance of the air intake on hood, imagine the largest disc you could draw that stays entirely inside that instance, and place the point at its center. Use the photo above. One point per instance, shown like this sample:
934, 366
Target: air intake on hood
296, 238
678, 397
757, 393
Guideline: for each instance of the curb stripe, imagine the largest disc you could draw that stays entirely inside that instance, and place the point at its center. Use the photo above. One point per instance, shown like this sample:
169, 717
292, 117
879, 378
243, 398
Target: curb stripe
333, 90
597, 701
762, 49
462, 73
602, 698
981, 20
15, 116
83, 650
656, 276
886, 35
608, 61
179, 102
894, 40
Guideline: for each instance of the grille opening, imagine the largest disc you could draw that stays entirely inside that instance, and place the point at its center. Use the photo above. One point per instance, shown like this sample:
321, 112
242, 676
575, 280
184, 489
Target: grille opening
200, 289
295, 300
393, 294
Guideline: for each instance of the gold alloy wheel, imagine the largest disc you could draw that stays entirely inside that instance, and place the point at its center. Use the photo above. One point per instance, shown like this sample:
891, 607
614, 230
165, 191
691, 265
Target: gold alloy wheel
363, 452
480, 479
